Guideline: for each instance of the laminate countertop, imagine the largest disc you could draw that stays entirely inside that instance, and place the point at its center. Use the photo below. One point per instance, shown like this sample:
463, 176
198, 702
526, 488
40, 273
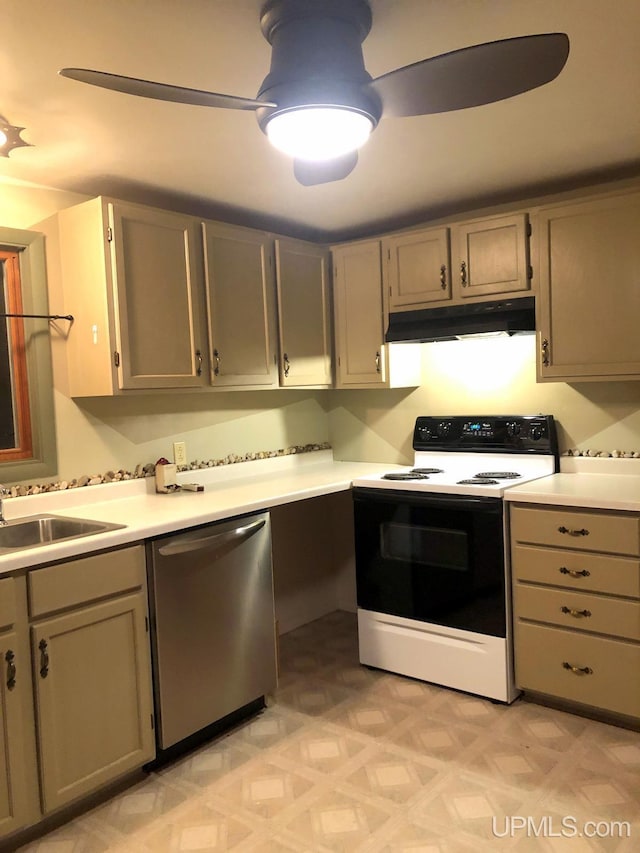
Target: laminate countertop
608, 484
229, 491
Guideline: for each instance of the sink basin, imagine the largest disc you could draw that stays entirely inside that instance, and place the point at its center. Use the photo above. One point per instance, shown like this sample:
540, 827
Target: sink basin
47, 529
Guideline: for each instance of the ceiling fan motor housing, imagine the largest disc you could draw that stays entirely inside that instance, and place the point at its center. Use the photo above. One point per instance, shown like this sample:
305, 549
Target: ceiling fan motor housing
317, 57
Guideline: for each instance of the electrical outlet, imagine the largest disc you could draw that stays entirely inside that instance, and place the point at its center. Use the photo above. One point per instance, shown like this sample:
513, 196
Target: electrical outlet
179, 452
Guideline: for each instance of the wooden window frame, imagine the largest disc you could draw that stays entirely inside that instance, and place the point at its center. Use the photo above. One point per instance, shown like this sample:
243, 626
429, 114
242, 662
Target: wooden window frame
23, 447
42, 463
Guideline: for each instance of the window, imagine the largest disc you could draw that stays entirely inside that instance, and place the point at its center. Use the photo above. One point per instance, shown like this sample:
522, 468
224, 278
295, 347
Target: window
27, 426
15, 415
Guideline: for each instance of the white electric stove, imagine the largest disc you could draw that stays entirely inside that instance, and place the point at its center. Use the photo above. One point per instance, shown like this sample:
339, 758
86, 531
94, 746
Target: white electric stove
432, 563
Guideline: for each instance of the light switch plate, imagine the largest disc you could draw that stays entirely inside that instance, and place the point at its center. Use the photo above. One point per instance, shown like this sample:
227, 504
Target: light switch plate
180, 452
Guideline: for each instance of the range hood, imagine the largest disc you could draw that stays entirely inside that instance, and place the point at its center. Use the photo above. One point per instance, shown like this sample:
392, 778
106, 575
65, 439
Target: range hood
512, 316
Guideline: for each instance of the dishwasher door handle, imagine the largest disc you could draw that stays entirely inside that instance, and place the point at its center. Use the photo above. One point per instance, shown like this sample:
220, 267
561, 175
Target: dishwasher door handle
182, 545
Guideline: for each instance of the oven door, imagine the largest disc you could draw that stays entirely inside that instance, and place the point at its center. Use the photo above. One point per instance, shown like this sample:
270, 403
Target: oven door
431, 557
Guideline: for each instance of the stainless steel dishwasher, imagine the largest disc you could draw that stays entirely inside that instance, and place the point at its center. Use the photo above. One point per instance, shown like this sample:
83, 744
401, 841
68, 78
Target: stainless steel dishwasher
212, 626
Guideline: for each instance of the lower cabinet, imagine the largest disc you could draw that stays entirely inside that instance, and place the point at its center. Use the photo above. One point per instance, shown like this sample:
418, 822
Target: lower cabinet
87, 624
92, 697
577, 606
18, 774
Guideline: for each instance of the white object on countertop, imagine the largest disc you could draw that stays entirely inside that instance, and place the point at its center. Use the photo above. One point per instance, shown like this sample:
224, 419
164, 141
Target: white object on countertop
166, 477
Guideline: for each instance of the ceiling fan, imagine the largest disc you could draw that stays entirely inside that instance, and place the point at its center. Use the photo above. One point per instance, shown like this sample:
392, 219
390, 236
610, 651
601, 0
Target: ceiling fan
319, 104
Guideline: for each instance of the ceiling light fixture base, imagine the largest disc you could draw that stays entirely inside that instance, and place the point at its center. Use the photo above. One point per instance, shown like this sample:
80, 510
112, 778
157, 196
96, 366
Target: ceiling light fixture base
317, 69
10, 137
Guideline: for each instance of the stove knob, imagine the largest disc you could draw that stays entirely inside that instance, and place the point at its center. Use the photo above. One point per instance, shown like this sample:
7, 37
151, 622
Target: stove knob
536, 432
444, 428
513, 429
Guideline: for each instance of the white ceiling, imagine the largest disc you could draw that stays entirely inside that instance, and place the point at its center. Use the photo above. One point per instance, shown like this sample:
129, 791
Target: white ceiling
584, 125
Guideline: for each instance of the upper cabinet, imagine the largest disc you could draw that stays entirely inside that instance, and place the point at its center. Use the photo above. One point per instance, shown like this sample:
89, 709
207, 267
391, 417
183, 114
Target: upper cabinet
487, 257
363, 360
491, 256
589, 289
133, 280
418, 268
304, 313
241, 300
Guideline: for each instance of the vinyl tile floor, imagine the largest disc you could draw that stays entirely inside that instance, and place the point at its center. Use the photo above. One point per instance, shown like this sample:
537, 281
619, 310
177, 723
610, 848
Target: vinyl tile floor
349, 759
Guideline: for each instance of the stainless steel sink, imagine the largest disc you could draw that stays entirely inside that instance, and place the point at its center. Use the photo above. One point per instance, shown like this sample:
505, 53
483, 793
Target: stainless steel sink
47, 529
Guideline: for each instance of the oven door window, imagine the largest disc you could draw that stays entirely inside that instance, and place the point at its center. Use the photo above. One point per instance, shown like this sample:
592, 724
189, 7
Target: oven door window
438, 547
432, 559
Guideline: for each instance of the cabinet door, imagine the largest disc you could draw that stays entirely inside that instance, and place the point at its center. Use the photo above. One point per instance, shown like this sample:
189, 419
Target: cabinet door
359, 314
589, 289
363, 359
13, 794
302, 271
240, 286
418, 268
158, 295
493, 256
93, 697
18, 781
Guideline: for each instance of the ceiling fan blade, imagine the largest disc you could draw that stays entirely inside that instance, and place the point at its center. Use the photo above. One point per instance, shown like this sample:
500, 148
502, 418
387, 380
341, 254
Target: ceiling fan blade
161, 91
309, 173
472, 76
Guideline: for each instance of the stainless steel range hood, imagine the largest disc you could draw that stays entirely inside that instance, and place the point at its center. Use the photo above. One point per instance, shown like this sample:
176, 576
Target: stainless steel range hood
512, 316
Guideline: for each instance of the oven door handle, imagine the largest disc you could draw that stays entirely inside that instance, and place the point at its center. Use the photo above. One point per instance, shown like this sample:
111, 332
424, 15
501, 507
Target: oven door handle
428, 499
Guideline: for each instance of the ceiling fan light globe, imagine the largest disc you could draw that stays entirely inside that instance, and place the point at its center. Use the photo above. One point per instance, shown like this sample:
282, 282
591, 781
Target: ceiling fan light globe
3, 138
318, 133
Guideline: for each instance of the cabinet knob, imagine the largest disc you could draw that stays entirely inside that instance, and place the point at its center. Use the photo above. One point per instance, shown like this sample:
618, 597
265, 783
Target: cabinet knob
576, 613
577, 670
44, 659
574, 573
199, 360
546, 359
286, 364
11, 669
216, 369
463, 274
377, 362
443, 277
572, 532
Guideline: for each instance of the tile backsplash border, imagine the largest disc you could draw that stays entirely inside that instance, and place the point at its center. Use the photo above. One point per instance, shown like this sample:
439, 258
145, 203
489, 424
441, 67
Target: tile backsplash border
143, 470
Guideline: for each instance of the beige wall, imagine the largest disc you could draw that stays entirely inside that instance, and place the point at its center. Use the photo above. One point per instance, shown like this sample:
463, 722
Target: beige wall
97, 435
479, 376
483, 376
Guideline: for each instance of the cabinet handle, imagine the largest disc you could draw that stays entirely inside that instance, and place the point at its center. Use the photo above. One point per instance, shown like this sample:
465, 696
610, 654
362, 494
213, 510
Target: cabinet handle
377, 362
571, 532
463, 274
216, 369
443, 277
574, 573
546, 360
199, 367
44, 659
287, 364
11, 669
577, 670
577, 613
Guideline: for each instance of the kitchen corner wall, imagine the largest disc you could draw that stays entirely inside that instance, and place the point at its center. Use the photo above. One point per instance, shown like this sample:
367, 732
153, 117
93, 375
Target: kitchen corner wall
483, 376
95, 435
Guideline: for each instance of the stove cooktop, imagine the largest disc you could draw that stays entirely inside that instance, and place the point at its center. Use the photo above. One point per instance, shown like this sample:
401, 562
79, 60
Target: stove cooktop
474, 455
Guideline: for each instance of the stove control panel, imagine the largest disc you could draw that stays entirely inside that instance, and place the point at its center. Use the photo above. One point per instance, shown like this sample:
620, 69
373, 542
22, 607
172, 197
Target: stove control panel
503, 433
